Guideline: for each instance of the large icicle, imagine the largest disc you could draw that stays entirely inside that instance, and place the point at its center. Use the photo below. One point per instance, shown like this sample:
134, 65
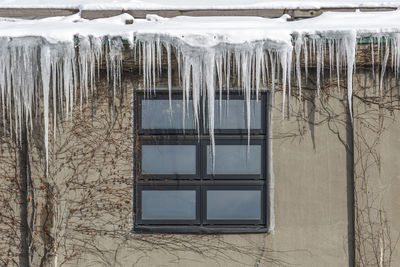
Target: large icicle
298, 46
45, 70
350, 45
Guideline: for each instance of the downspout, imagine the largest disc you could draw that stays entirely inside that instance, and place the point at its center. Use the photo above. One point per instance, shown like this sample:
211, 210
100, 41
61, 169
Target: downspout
23, 163
350, 186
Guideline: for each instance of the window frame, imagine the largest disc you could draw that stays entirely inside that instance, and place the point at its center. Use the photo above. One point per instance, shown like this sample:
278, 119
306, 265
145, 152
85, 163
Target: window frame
242, 222
167, 140
237, 96
161, 95
201, 180
148, 187
232, 141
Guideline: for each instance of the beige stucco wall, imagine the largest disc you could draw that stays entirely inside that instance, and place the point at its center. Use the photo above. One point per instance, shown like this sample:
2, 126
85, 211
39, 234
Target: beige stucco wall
308, 167
390, 182
377, 178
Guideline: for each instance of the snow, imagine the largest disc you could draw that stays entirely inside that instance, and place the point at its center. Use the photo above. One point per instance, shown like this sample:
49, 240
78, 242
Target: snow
203, 31
194, 4
329, 23
258, 51
63, 29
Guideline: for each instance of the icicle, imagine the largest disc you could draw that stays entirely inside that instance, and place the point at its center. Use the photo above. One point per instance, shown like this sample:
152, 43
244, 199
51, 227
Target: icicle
68, 74
330, 45
323, 53
45, 71
384, 63
144, 61
4, 61
273, 62
97, 50
159, 56
267, 60
83, 66
396, 44
305, 50
115, 56
264, 68
350, 45
338, 64
379, 46
238, 67
168, 47
209, 79
298, 45
228, 73
186, 69
196, 87
178, 60
319, 63
154, 66
246, 85
53, 64
372, 58
284, 62
218, 62
259, 65
289, 72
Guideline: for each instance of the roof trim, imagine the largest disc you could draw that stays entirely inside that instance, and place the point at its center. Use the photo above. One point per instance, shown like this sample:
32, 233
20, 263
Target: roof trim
36, 13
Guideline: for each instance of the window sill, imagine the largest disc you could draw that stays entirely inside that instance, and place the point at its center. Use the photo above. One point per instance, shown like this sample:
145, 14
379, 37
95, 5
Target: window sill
145, 229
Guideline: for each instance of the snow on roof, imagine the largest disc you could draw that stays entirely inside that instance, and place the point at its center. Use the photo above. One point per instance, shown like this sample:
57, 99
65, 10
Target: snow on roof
195, 4
202, 31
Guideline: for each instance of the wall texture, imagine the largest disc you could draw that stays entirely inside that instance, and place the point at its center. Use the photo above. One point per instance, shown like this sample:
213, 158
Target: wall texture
81, 212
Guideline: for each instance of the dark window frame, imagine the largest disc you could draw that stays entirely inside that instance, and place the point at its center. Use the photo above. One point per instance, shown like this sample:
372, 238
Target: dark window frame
169, 140
232, 141
236, 96
243, 222
142, 188
182, 181
161, 95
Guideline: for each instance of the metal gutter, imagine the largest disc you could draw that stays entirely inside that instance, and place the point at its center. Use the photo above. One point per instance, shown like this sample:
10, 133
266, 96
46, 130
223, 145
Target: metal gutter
35, 13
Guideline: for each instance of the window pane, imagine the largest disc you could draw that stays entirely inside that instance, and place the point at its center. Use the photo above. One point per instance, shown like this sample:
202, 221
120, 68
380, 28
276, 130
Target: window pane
169, 204
233, 114
156, 114
233, 205
169, 159
235, 159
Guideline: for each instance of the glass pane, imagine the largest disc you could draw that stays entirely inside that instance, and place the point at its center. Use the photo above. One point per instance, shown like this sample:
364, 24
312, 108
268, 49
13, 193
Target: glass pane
169, 159
168, 204
232, 114
156, 114
233, 205
235, 159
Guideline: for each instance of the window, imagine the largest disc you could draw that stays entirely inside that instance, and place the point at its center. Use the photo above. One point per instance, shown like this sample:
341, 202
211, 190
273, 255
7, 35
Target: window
180, 186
